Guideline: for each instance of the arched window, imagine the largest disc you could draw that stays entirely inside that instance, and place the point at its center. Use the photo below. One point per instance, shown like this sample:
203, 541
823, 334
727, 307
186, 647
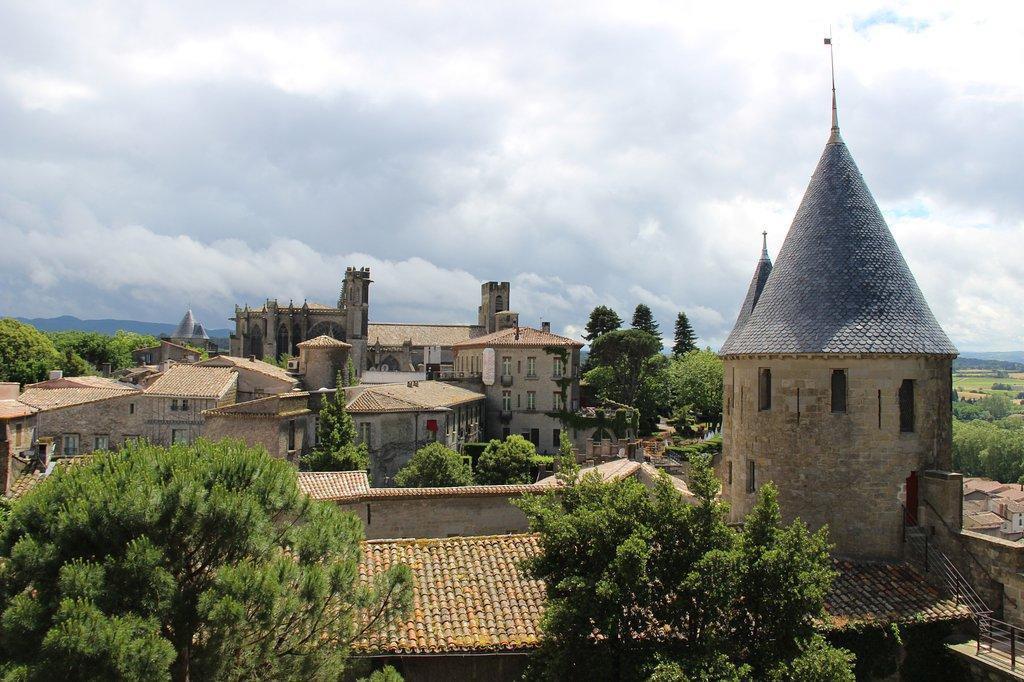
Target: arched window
282, 341
296, 339
254, 342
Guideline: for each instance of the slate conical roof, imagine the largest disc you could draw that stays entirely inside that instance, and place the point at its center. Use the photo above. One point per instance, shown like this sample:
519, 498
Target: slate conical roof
840, 283
185, 327
757, 282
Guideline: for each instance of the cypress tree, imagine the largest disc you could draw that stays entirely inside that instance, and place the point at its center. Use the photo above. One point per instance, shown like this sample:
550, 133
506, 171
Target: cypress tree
643, 319
685, 336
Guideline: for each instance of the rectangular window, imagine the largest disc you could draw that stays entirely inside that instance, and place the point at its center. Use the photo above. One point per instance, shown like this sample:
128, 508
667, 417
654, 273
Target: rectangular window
751, 476
131, 408
184, 404
101, 443
907, 406
556, 437
728, 478
559, 368
179, 436
535, 437
764, 389
174, 405
506, 401
291, 434
556, 400
531, 367
17, 433
505, 432
839, 390
506, 367
531, 400
70, 445
365, 431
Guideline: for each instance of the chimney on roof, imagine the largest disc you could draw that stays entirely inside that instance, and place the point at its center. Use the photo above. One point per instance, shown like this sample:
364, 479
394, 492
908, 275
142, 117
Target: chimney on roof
56, 374
9, 391
545, 327
105, 369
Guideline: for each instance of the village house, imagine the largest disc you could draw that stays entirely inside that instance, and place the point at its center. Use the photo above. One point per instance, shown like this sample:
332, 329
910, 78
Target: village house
256, 379
530, 377
283, 424
395, 420
165, 351
17, 419
174, 403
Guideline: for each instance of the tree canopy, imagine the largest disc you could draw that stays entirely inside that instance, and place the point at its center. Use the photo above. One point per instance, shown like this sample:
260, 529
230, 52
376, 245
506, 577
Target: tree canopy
685, 337
628, 367
199, 561
100, 349
697, 378
991, 449
435, 466
26, 354
643, 319
641, 584
602, 320
506, 462
336, 448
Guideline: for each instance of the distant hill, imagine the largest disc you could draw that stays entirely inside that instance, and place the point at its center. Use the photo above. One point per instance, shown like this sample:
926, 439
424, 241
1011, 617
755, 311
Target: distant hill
1007, 356
978, 363
69, 322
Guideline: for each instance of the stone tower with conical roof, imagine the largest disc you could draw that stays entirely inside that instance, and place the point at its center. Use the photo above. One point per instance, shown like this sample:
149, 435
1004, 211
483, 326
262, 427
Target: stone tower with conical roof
837, 374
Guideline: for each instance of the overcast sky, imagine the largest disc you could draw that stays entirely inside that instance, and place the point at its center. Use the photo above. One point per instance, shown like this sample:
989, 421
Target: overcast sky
156, 155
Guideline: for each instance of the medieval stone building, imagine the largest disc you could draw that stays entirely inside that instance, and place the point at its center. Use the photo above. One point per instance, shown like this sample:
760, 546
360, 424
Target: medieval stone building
274, 330
837, 374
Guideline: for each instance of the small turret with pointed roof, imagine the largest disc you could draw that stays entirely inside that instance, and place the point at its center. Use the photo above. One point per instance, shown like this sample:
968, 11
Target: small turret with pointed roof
761, 272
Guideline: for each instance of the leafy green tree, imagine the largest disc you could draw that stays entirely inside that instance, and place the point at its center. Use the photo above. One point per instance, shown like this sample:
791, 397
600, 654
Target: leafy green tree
697, 378
643, 319
996, 404
643, 584
199, 561
685, 337
73, 365
602, 320
26, 354
100, 349
628, 367
435, 466
336, 448
353, 379
991, 449
506, 462
385, 674
567, 466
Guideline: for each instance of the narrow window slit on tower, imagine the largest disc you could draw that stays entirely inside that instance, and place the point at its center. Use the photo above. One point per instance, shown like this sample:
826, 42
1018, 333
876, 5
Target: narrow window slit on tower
907, 406
839, 390
764, 389
798, 406
879, 408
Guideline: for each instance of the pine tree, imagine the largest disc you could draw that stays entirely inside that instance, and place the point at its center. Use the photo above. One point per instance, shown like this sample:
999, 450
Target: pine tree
685, 337
336, 448
643, 319
602, 320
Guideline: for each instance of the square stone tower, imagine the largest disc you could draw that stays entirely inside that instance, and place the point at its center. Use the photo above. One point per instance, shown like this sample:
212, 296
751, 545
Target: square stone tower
493, 300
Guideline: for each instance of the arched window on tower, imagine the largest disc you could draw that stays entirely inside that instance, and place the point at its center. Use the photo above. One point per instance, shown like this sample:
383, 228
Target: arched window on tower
282, 341
839, 390
907, 406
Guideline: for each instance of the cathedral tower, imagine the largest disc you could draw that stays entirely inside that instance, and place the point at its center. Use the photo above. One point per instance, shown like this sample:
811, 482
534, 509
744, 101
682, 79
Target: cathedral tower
493, 300
837, 374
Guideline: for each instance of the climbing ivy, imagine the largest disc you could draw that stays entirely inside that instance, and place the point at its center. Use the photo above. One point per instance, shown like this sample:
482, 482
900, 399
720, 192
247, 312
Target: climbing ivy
623, 419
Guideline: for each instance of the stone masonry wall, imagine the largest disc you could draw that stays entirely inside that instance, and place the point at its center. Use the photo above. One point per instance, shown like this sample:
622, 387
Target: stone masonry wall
116, 418
846, 470
439, 517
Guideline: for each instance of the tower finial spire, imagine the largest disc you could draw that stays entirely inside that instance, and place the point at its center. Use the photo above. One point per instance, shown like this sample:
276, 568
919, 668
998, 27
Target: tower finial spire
764, 244
832, 63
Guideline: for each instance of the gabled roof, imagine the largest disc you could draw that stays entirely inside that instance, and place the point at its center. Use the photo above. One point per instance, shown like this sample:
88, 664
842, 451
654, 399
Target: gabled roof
70, 391
194, 381
334, 485
526, 337
278, 406
13, 409
323, 341
396, 334
470, 595
250, 364
840, 283
421, 395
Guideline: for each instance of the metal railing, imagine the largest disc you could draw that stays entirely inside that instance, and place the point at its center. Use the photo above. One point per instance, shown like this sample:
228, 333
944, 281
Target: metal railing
998, 639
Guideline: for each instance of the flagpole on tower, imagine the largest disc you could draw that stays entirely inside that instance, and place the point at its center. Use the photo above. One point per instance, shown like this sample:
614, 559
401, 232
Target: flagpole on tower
832, 63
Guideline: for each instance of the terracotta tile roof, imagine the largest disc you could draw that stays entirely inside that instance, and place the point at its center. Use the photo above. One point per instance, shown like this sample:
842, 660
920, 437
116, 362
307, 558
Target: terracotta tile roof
290, 404
370, 493
396, 334
12, 409
30, 479
334, 485
323, 341
194, 381
614, 470
526, 337
982, 519
422, 395
983, 485
66, 392
469, 595
254, 365
866, 592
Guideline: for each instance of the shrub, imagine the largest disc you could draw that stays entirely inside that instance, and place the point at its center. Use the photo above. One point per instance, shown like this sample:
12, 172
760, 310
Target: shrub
506, 462
435, 466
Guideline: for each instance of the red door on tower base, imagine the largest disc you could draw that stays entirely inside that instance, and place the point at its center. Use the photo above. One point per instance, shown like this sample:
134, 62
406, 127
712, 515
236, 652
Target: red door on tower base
911, 515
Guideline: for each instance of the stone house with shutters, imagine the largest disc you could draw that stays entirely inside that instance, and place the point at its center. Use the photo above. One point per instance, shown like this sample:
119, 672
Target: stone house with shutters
175, 402
17, 420
396, 420
283, 424
837, 374
528, 376
83, 414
